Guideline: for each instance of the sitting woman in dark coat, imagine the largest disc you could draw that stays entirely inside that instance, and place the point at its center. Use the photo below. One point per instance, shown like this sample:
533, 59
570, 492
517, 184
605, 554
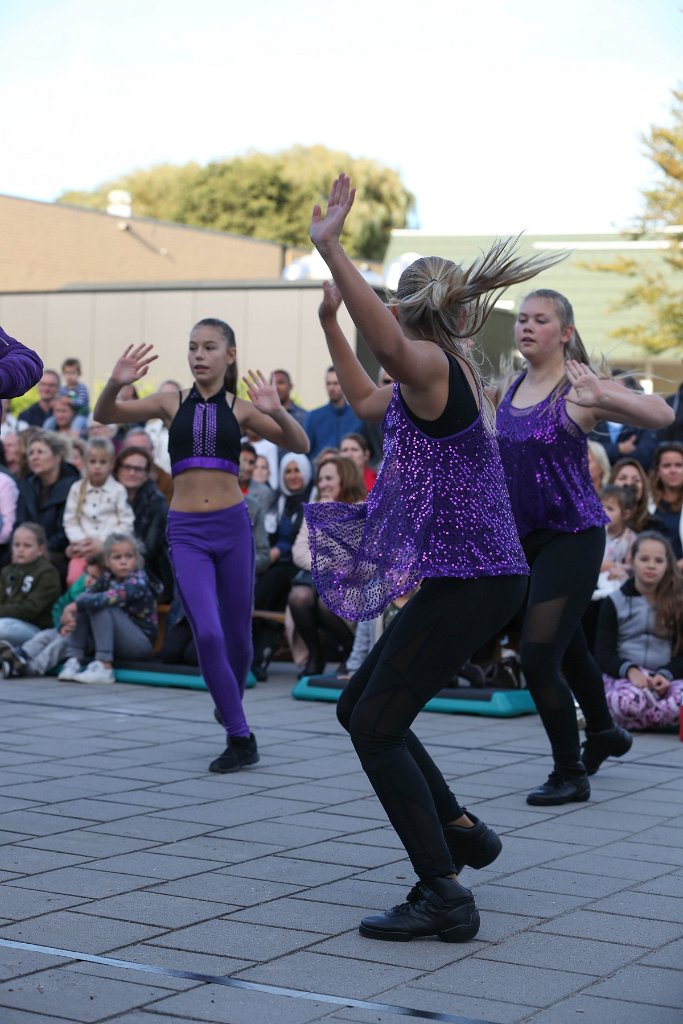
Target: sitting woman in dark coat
132, 469
43, 493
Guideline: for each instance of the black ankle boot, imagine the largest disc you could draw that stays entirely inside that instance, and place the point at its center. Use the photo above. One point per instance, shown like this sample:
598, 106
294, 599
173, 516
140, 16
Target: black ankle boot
240, 752
598, 746
475, 847
440, 907
562, 787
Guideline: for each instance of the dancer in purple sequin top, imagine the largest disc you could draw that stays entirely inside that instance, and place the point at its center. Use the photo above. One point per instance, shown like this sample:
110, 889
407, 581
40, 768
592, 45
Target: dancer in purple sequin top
543, 422
438, 512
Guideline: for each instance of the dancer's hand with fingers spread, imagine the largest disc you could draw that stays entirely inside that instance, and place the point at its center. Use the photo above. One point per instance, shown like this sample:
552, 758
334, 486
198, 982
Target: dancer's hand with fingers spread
327, 311
587, 388
262, 394
133, 364
326, 230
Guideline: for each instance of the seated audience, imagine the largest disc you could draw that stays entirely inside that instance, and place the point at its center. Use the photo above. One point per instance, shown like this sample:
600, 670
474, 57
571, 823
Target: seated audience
116, 616
43, 492
639, 641
96, 506
29, 586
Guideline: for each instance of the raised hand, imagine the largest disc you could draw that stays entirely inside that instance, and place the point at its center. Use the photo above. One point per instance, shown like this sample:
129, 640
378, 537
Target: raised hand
587, 387
329, 228
133, 364
261, 393
331, 302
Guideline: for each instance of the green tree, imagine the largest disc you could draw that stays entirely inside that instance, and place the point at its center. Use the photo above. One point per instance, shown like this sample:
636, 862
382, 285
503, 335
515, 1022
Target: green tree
268, 196
659, 292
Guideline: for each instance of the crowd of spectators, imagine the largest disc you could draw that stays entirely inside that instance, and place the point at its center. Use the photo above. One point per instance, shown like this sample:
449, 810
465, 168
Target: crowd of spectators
69, 484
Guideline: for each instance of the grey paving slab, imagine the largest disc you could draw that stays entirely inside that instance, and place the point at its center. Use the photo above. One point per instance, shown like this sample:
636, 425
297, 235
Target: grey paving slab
132, 977
570, 882
214, 1003
80, 881
582, 955
487, 979
317, 972
64, 929
420, 956
606, 1011
222, 888
643, 904
664, 885
20, 903
460, 1005
221, 850
150, 826
623, 867
216, 964
653, 986
152, 908
284, 868
25, 860
670, 955
237, 938
155, 866
17, 963
591, 924
308, 914
79, 997
87, 843
41, 823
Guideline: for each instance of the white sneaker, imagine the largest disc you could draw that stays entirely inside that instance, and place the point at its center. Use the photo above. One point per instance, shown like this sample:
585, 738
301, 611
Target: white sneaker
95, 672
70, 669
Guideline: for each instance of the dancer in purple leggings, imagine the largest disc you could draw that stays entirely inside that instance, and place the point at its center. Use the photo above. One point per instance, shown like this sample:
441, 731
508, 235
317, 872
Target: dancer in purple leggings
209, 531
20, 367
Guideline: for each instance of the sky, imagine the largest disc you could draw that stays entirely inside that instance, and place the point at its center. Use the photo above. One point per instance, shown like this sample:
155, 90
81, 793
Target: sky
499, 115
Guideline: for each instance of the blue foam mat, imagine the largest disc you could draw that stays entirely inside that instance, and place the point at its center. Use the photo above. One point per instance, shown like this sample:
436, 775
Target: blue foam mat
493, 702
154, 673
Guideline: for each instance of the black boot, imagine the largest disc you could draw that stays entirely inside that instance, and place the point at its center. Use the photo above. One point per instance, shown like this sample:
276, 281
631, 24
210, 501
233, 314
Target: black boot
598, 746
475, 847
240, 752
564, 786
440, 907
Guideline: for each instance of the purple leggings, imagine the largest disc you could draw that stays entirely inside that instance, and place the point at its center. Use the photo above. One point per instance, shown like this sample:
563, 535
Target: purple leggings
213, 558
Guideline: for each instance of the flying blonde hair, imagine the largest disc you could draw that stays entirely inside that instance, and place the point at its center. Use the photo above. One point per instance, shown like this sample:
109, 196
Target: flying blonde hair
441, 301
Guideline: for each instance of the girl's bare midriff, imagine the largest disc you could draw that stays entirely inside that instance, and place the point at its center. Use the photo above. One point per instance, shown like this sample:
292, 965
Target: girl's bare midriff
205, 490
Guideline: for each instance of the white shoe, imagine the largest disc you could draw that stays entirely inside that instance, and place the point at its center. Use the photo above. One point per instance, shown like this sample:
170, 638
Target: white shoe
95, 672
70, 670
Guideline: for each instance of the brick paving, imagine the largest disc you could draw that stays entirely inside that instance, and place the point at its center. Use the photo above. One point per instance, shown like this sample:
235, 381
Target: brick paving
139, 889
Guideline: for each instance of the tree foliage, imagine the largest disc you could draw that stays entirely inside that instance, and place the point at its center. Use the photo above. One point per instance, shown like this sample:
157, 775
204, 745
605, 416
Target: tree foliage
263, 195
658, 291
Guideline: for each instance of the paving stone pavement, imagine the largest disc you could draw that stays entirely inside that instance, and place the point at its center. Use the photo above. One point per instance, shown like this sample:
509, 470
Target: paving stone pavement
138, 888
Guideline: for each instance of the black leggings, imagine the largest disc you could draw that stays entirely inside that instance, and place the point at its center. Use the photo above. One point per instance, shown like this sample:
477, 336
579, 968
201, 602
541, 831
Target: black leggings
555, 658
416, 657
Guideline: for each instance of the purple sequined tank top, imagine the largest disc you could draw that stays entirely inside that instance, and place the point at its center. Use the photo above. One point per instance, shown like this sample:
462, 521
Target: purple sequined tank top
439, 507
545, 455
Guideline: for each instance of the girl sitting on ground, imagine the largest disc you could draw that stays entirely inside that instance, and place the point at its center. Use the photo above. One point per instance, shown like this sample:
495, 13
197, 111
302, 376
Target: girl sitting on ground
117, 615
639, 643
29, 586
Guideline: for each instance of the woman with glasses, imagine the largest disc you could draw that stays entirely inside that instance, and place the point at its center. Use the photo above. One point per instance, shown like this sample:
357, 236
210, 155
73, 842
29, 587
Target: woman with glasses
132, 468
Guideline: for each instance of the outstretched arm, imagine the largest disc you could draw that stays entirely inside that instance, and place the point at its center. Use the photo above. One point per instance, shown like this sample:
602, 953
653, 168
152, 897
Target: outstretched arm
264, 414
412, 362
130, 367
368, 401
593, 399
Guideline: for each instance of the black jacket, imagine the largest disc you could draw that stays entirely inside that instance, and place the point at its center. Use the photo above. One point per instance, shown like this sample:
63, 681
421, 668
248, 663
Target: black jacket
49, 513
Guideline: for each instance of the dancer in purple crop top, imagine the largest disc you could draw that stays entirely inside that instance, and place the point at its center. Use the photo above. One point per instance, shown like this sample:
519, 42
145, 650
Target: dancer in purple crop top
543, 421
209, 531
439, 513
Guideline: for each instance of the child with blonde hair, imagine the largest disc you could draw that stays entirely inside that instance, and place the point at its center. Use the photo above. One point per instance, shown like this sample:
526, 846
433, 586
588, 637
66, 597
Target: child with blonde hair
96, 506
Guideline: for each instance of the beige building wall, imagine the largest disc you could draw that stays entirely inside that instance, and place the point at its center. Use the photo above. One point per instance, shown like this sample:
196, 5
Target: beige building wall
275, 325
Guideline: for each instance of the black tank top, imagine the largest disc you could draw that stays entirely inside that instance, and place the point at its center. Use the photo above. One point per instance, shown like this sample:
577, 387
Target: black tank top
461, 408
205, 434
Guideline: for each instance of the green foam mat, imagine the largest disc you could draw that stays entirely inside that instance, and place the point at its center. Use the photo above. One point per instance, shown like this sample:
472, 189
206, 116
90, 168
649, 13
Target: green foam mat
451, 701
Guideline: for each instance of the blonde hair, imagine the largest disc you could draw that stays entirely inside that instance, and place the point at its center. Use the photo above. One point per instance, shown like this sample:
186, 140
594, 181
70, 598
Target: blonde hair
96, 444
443, 302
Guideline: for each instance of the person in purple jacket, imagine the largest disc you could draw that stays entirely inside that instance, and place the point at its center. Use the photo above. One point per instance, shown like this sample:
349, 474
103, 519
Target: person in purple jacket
20, 367
437, 519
